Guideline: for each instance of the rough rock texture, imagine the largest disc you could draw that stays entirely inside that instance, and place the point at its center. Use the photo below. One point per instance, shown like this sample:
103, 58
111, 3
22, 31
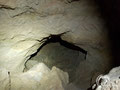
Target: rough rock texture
4, 79
71, 86
110, 81
54, 54
55, 80
8, 3
40, 77
23, 23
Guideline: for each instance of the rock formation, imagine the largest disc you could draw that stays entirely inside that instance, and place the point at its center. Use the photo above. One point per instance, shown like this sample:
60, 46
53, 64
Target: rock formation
110, 81
25, 25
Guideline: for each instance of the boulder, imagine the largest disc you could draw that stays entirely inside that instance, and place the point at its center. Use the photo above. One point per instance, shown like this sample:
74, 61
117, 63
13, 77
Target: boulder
40, 77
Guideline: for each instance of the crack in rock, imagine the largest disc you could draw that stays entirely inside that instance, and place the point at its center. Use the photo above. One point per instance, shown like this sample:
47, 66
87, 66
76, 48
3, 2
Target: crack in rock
52, 38
57, 38
6, 7
9, 80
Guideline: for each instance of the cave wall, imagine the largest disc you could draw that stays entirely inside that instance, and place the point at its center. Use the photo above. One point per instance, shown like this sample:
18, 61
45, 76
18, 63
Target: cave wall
111, 13
23, 23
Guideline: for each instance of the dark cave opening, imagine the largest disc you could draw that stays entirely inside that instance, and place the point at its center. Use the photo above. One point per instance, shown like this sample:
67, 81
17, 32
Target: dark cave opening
57, 38
111, 13
57, 52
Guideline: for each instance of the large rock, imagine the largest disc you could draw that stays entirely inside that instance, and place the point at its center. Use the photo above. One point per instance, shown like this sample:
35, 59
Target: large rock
110, 81
40, 77
55, 80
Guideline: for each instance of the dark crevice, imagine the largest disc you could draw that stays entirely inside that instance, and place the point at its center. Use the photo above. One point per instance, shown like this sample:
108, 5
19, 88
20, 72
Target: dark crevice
72, 1
9, 80
57, 38
6, 7
29, 10
69, 54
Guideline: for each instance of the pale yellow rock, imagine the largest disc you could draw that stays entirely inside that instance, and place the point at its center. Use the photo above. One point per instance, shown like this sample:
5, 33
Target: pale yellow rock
8, 3
4, 79
55, 80
40, 77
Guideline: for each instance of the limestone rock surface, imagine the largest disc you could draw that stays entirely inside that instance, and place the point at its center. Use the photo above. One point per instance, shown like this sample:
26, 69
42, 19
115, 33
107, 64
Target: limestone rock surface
4, 79
24, 23
110, 81
40, 77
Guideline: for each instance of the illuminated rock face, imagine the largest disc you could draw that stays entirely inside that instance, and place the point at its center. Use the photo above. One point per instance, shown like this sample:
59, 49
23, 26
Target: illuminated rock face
110, 81
40, 77
8, 3
23, 23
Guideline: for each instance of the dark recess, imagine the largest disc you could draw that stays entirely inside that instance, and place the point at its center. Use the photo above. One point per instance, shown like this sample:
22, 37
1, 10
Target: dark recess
72, 1
57, 38
111, 12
